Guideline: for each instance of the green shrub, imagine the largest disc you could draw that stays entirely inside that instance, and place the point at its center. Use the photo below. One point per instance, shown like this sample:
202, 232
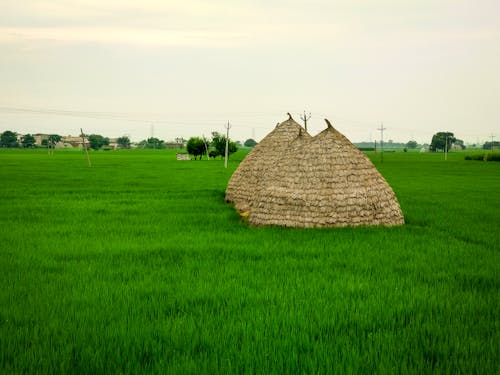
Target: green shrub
492, 156
486, 157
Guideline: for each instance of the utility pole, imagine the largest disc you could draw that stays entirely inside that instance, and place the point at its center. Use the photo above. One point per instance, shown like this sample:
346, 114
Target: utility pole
305, 118
50, 146
153, 133
492, 136
446, 148
227, 144
85, 147
381, 141
206, 146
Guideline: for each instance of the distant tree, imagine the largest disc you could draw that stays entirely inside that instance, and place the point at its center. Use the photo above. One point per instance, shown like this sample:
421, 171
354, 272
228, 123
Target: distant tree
28, 141
219, 144
411, 144
123, 142
491, 145
54, 138
96, 141
441, 141
196, 147
460, 143
8, 139
152, 142
250, 143
51, 140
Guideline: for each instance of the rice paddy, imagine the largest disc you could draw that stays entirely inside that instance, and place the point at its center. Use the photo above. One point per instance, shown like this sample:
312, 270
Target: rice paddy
138, 265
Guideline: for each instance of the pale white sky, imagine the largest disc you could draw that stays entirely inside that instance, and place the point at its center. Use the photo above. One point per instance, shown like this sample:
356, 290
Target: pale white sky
182, 68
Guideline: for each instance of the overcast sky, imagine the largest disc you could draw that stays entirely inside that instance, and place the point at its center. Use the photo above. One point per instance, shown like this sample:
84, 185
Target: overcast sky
184, 68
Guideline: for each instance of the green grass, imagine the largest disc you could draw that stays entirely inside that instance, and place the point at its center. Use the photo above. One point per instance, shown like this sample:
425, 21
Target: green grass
138, 265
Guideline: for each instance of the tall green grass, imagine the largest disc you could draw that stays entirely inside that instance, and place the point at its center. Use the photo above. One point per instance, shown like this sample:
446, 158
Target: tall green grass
138, 265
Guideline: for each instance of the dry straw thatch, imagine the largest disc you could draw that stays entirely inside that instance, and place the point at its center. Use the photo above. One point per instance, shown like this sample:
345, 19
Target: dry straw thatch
247, 178
323, 181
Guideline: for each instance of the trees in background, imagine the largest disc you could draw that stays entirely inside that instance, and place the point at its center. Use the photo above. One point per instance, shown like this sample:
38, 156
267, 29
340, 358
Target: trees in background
250, 143
28, 141
460, 143
8, 139
411, 144
219, 144
51, 140
442, 141
123, 142
96, 141
152, 142
491, 145
196, 146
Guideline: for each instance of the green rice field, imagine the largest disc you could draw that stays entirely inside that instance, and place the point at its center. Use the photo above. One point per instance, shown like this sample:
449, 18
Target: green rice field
137, 265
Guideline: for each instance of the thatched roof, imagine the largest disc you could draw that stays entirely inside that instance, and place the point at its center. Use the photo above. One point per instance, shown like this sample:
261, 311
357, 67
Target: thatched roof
324, 182
245, 181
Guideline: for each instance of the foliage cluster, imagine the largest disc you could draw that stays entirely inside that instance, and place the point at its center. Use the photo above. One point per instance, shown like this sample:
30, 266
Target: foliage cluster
443, 141
8, 139
137, 265
152, 142
491, 145
198, 146
28, 141
250, 142
123, 142
411, 144
97, 141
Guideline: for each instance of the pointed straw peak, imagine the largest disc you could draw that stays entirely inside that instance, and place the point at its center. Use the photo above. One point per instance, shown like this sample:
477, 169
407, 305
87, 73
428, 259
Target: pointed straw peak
289, 116
329, 125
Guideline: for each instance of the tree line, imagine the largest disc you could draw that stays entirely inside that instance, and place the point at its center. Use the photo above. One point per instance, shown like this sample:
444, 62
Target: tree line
9, 139
199, 146
216, 146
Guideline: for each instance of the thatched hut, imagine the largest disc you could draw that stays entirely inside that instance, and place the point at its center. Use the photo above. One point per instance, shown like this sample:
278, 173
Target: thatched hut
245, 181
324, 182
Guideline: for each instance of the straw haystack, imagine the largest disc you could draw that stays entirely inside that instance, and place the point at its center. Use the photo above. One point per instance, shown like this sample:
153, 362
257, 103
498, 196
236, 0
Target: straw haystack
245, 181
325, 182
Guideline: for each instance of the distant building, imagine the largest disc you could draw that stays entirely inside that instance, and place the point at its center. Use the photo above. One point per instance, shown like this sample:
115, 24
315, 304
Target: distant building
174, 145
39, 138
73, 141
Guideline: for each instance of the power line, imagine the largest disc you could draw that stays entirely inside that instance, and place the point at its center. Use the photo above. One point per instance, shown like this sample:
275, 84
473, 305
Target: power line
246, 119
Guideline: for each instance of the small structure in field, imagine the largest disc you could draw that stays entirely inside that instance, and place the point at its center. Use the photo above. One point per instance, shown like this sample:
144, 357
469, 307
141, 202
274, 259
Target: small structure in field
246, 180
323, 181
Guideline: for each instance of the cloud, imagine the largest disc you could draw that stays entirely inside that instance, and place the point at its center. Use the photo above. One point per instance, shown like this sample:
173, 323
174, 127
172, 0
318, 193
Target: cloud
118, 35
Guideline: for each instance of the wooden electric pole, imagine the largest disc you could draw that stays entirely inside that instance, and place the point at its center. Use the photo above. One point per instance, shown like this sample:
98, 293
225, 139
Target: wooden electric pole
227, 144
85, 147
206, 146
